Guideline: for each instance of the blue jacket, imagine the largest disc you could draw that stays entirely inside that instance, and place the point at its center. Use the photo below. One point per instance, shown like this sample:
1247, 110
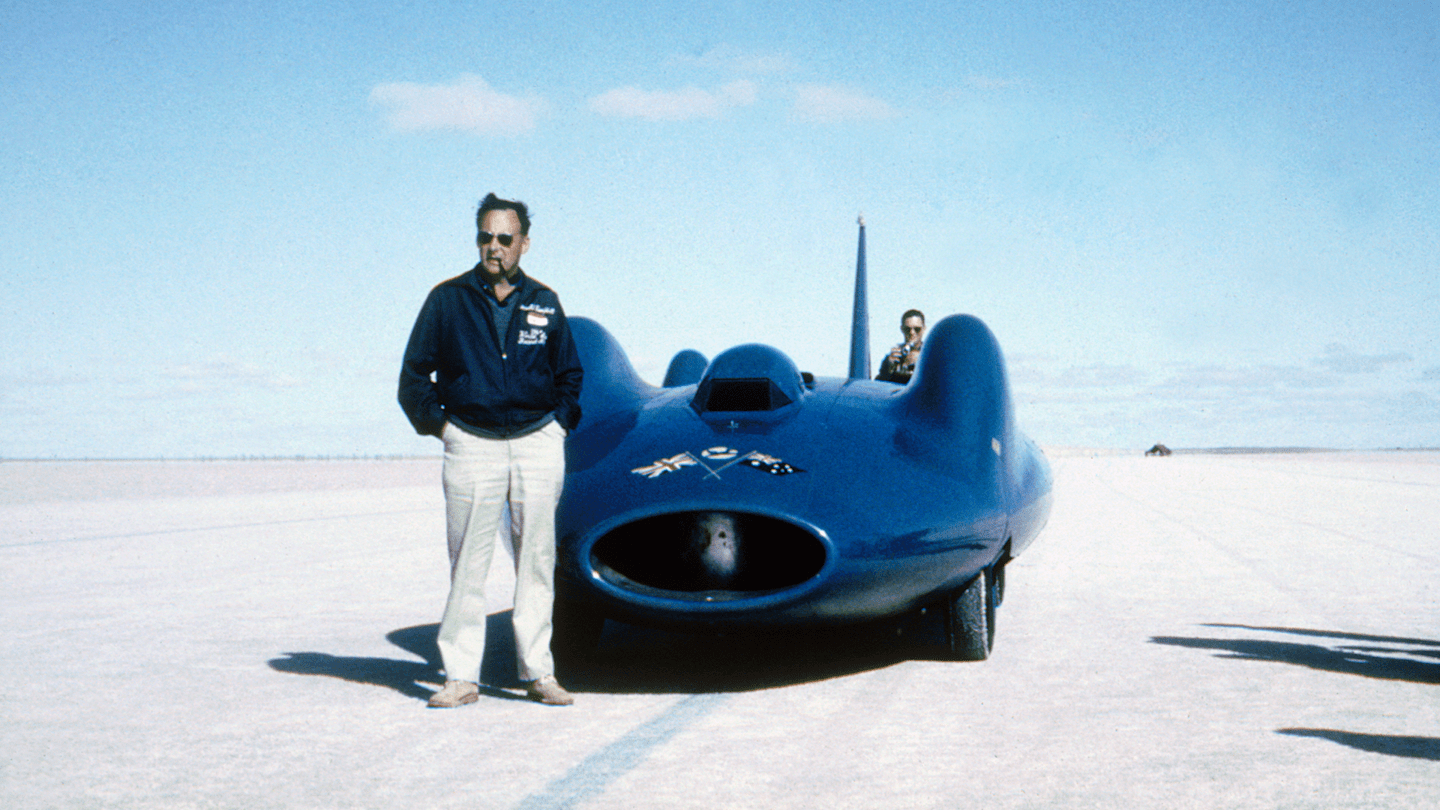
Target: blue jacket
499, 383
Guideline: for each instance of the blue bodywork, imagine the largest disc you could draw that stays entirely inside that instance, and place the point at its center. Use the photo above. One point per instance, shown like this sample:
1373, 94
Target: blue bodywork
855, 499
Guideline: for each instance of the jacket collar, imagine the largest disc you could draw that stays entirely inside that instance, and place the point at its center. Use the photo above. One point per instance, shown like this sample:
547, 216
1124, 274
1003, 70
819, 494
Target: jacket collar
477, 280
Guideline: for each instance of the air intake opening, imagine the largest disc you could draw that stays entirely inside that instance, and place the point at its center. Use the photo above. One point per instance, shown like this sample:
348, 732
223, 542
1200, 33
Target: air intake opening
743, 395
708, 552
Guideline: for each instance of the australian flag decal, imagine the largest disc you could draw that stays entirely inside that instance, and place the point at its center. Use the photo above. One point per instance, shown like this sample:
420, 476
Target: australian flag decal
769, 464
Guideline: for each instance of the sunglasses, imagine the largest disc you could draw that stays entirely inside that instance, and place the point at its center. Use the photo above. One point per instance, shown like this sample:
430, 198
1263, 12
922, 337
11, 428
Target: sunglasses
505, 239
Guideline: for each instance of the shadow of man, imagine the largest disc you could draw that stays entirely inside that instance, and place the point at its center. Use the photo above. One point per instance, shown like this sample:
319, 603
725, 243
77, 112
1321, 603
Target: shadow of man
1382, 657
415, 679
1388, 744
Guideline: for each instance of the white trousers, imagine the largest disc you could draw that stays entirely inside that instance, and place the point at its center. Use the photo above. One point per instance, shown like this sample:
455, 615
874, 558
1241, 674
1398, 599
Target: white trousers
483, 477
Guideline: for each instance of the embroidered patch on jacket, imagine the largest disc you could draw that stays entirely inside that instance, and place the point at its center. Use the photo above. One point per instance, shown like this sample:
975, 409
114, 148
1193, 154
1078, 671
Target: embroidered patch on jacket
536, 319
532, 337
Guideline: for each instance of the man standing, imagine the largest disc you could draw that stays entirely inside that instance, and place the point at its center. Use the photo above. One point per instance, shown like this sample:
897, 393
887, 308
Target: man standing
899, 365
505, 390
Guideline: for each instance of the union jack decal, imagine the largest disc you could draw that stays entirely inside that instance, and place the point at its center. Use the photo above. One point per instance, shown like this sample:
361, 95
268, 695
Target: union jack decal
664, 465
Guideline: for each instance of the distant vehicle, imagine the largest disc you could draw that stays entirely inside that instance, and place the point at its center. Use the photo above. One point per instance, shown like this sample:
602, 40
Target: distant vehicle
745, 494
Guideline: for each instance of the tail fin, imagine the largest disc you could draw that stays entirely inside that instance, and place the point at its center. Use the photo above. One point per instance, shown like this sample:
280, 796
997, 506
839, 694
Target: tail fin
860, 319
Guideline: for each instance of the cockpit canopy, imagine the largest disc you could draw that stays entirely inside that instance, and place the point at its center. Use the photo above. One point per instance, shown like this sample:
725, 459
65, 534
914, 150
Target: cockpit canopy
750, 378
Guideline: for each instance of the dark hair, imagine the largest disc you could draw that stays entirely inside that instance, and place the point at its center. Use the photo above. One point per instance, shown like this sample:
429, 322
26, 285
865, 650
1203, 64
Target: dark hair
493, 203
909, 313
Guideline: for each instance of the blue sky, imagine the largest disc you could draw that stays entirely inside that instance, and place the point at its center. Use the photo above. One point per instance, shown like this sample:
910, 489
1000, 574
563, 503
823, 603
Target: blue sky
1207, 223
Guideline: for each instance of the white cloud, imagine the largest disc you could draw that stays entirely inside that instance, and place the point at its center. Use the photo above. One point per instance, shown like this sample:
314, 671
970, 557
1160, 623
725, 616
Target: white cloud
832, 103
228, 372
687, 104
1341, 359
739, 93
468, 105
1189, 405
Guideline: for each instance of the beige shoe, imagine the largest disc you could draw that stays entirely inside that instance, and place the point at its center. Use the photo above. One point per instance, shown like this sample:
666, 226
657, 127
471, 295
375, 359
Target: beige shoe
547, 690
455, 693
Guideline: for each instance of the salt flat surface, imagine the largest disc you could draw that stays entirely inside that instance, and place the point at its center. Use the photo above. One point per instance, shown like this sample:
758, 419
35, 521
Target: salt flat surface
1194, 631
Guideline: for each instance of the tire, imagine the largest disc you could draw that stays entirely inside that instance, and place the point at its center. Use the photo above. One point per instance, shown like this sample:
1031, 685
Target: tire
970, 619
997, 574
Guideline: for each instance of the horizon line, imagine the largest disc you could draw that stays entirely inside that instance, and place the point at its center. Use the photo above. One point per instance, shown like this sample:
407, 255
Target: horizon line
1221, 450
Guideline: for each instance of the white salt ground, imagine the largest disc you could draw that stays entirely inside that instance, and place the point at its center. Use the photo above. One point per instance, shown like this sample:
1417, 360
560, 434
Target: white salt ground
1209, 631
